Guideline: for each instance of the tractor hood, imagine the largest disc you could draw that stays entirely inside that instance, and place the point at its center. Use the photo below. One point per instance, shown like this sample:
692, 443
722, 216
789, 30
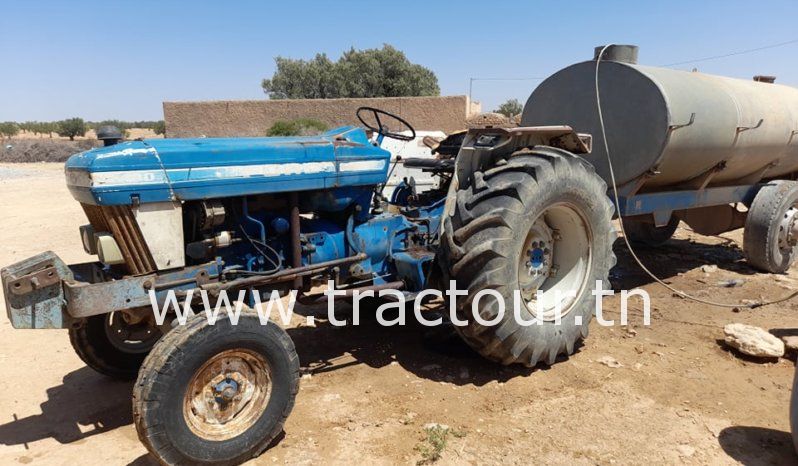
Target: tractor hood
156, 170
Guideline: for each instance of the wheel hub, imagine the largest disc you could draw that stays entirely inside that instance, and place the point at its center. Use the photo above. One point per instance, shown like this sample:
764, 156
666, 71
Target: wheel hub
537, 258
788, 236
555, 261
130, 335
225, 391
228, 394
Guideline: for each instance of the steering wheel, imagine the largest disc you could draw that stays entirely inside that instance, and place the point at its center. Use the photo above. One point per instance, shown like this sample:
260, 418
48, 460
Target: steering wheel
383, 129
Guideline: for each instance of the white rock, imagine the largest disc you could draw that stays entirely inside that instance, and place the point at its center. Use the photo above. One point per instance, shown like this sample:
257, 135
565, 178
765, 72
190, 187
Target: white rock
435, 425
609, 361
685, 450
709, 268
753, 341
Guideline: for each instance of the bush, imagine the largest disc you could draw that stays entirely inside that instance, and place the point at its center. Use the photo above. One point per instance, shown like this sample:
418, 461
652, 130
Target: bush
159, 128
298, 127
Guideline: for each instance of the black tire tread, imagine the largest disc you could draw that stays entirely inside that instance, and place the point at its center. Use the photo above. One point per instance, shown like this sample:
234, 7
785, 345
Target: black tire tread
649, 234
92, 347
762, 223
473, 235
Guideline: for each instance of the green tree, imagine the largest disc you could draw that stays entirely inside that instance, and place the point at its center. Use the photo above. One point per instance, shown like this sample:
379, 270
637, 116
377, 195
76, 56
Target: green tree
298, 127
510, 108
159, 127
48, 128
72, 127
8, 129
384, 72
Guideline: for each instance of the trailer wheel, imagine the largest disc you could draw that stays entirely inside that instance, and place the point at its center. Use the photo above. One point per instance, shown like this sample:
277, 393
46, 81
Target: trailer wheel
768, 240
215, 394
539, 222
648, 233
113, 346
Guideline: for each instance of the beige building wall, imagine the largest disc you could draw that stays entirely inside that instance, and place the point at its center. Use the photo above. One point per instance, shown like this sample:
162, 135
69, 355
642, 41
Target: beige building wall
255, 117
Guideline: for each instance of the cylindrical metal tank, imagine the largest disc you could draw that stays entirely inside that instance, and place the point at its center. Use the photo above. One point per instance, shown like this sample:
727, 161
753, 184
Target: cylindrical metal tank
672, 125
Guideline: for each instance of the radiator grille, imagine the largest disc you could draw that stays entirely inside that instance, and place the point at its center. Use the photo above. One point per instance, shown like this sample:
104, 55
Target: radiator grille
120, 222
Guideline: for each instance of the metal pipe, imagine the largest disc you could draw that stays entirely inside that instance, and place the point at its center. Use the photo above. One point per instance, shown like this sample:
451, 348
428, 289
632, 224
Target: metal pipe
282, 276
349, 292
296, 245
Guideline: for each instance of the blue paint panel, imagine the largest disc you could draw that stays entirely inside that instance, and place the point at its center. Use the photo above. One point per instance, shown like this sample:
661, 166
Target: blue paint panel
679, 200
191, 166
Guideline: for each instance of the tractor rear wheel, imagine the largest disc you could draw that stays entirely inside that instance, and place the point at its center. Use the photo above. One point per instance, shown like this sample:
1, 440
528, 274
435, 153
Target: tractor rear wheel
215, 394
768, 240
540, 223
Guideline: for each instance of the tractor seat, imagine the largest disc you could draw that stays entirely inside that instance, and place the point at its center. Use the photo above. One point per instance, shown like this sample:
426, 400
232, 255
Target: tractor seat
446, 165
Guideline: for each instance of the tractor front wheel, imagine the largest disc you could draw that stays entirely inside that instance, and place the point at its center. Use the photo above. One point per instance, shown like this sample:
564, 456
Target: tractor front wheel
216, 394
538, 229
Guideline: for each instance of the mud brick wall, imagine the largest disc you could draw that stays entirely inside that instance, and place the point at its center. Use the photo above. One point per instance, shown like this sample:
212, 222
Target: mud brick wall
254, 117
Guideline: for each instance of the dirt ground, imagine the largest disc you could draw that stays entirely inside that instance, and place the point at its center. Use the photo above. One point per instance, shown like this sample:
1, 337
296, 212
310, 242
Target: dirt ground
679, 396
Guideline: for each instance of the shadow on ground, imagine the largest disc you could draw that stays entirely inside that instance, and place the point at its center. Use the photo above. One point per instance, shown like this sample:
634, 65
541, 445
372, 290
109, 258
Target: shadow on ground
674, 257
757, 446
433, 353
85, 404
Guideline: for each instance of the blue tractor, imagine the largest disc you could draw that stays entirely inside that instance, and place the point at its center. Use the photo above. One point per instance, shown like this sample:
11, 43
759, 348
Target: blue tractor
515, 210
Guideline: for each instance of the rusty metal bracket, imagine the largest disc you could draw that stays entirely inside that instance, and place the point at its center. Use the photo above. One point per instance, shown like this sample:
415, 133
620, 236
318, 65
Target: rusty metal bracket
702, 181
673, 128
740, 129
756, 176
35, 280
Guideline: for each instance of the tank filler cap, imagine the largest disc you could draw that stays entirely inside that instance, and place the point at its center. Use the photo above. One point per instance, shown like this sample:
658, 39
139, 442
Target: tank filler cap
618, 53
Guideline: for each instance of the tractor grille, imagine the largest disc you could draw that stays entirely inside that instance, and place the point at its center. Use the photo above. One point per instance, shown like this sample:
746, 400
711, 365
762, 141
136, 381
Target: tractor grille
120, 222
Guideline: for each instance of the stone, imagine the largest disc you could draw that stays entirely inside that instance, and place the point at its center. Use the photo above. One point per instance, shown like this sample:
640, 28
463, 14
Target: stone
609, 361
753, 341
709, 268
685, 450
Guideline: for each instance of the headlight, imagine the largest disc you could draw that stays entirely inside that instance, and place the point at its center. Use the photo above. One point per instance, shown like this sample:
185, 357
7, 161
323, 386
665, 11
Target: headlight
87, 237
108, 250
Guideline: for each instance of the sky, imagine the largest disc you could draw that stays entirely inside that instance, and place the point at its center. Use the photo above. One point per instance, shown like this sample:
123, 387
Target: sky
120, 60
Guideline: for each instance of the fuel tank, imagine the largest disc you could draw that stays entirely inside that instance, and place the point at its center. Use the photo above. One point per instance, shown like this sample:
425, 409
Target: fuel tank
667, 127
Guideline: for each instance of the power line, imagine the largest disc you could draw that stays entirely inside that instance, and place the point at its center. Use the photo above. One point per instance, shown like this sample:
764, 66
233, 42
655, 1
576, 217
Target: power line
471, 82
731, 54
685, 62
